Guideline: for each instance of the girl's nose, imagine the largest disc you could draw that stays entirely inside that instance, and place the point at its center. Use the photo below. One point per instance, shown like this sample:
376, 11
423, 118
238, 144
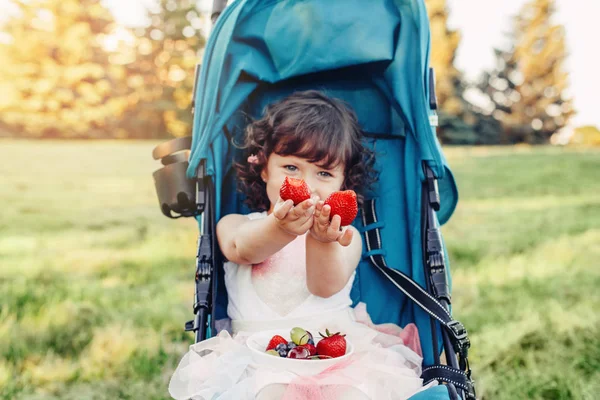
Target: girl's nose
312, 186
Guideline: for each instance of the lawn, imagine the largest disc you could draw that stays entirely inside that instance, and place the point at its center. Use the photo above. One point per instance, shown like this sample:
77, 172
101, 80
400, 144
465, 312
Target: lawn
95, 283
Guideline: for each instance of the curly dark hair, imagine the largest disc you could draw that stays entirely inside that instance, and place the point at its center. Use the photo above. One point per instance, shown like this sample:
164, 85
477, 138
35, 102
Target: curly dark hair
309, 125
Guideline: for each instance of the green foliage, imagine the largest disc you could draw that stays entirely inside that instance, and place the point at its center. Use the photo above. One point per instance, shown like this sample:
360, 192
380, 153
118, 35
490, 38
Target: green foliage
68, 71
168, 50
528, 86
96, 283
452, 128
459, 122
56, 77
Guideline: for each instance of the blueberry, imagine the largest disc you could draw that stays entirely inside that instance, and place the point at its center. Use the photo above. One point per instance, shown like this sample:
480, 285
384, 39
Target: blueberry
282, 349
291, 345
282, 353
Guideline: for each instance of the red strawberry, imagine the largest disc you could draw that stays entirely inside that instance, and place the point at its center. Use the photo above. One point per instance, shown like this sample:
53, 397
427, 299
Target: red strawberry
343, 204
331, 345
275, 340
294, 189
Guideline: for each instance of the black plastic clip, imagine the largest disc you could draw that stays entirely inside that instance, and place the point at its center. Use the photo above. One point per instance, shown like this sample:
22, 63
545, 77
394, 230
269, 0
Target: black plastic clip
432, 189
190, 326
432, 97
461, 340
203, 272
201, 188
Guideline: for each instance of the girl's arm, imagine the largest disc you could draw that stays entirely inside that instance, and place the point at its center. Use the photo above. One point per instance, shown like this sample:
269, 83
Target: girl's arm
331, 255
245, 241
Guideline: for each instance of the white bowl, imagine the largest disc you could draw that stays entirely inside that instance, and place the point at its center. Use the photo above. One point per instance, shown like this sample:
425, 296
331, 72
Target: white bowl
258, 343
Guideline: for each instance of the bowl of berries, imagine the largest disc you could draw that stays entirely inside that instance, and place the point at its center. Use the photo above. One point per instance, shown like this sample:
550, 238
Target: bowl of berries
298, 351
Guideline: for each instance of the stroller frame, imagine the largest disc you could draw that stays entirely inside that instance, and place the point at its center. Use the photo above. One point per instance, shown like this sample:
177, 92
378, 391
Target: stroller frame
196, 198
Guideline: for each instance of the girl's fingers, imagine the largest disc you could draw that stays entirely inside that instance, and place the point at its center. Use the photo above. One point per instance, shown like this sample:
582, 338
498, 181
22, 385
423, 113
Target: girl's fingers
282, 208
346, 238
334, 227
306, 204
319, 205
318, 208
324, 216
303, 209
307, 224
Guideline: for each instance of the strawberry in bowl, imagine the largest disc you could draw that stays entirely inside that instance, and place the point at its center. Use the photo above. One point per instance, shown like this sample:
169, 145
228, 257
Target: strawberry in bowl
332, 345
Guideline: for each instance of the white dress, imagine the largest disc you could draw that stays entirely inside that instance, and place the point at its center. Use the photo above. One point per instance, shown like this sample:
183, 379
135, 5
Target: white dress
273, 295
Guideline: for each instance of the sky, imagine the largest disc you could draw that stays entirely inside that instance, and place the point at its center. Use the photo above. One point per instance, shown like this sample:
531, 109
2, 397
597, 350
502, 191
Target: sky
482, 24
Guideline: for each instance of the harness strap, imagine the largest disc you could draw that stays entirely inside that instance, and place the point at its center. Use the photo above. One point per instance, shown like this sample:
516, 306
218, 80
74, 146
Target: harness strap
447, 374
409, 287
423, 299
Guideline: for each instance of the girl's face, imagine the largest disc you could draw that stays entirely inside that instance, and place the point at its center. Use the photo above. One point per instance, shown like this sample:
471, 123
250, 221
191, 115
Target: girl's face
322, 181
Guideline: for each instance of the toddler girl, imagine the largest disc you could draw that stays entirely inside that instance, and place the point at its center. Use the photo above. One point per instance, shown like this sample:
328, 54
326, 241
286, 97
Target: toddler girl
294, 265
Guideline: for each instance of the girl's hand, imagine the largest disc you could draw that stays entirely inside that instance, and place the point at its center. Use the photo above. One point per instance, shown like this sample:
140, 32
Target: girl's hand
325, 231
294, 220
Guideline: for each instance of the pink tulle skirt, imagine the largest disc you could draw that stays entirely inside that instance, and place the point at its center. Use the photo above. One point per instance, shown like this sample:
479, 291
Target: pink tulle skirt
385, 364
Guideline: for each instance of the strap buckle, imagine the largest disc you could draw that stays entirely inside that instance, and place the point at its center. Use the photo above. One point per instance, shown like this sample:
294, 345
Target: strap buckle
461, 340
203, 273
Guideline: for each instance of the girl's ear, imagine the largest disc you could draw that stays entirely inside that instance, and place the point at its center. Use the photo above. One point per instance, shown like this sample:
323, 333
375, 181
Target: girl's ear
264, 175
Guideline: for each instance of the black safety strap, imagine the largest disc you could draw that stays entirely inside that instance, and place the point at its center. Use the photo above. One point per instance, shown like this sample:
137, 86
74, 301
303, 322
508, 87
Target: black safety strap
424, 300
405, 284
444, 373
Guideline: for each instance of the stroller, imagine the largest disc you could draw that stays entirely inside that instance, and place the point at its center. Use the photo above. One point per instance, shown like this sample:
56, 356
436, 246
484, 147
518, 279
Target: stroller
373, 56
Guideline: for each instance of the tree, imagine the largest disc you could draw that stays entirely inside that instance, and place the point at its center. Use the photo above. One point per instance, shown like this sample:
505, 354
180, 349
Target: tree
456, 118
56, 78
528, 86
167, 51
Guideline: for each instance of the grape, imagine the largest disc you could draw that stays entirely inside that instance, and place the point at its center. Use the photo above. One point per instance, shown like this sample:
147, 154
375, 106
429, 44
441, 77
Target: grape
298, 336
298, 352
310, 338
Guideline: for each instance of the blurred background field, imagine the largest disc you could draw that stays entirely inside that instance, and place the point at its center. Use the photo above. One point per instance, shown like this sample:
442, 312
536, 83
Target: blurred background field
95, 283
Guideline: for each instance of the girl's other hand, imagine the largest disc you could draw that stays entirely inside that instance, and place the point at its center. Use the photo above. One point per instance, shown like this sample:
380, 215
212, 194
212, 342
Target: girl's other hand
294, 220
325, 231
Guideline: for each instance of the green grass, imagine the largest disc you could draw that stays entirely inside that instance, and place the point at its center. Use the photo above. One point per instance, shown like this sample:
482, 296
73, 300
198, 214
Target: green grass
525, 249
95, 283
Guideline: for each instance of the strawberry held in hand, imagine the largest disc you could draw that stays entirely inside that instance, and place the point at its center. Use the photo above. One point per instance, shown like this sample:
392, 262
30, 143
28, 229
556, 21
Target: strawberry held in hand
331, 345
294, 189
343, 204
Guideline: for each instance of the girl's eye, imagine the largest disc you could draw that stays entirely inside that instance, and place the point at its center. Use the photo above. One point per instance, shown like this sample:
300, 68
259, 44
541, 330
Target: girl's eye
325, 174
291, 168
